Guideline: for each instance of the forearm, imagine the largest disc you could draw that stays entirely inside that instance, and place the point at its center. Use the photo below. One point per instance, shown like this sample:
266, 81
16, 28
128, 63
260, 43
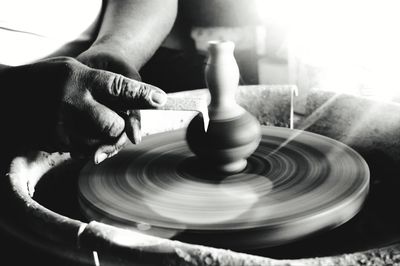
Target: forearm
135, 29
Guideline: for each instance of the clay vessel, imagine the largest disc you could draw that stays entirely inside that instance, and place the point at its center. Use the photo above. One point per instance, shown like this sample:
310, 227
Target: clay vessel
233, 133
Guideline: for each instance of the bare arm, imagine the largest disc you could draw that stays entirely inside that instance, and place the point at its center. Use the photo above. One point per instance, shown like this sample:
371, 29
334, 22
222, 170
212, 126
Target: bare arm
132, 30
41, 100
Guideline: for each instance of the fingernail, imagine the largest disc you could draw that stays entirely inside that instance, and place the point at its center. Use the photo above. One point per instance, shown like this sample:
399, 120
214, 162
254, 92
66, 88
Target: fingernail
158, 98
100, 157
137, 135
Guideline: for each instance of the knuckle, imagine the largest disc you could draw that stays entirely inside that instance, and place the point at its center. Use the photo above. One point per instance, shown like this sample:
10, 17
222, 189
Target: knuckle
67, 66
69, 73
144, 91
114, 128
116, 85
135, 90
130, 90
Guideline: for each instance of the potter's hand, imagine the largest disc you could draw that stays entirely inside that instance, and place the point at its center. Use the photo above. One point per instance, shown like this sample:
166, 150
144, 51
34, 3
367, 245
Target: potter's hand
64, 105
103, 57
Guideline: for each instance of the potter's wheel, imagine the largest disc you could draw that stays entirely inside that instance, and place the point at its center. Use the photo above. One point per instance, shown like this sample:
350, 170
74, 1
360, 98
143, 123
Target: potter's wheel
296, 183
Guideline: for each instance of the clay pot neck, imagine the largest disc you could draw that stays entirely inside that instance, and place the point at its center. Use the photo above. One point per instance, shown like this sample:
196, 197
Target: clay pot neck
222, 77
216, 48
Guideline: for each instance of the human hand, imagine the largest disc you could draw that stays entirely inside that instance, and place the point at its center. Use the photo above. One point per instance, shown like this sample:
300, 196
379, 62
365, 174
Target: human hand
60, 104
111, 59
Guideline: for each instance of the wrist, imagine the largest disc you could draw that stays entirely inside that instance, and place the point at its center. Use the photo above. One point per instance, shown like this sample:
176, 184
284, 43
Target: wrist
131, 49
108, 45
108, 58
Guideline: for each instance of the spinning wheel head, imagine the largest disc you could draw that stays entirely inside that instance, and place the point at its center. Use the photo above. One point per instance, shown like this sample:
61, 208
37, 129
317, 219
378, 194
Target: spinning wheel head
277, 185
295, 183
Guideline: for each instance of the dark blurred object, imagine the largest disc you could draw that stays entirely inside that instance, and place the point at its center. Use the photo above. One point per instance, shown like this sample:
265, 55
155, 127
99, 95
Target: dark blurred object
175, 70
220, 13
179, 64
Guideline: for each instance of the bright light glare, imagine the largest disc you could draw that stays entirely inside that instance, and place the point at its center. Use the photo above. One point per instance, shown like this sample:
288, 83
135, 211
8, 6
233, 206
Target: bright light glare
354, 43
31, 30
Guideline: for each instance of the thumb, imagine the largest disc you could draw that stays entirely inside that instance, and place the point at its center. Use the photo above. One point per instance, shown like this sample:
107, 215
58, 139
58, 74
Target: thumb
119, 92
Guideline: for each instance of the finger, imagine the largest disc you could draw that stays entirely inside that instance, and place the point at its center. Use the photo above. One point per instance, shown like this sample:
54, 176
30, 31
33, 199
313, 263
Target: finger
88, 119
91, 125
108, 150
120, 92
100, 151
133, 126
104, 121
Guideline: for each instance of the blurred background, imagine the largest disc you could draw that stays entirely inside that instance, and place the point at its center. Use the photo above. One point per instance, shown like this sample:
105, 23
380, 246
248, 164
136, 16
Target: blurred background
349, 46
344, 46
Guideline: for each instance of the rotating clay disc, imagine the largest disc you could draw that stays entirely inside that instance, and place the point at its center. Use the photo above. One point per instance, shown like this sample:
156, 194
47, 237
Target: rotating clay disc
296, 183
